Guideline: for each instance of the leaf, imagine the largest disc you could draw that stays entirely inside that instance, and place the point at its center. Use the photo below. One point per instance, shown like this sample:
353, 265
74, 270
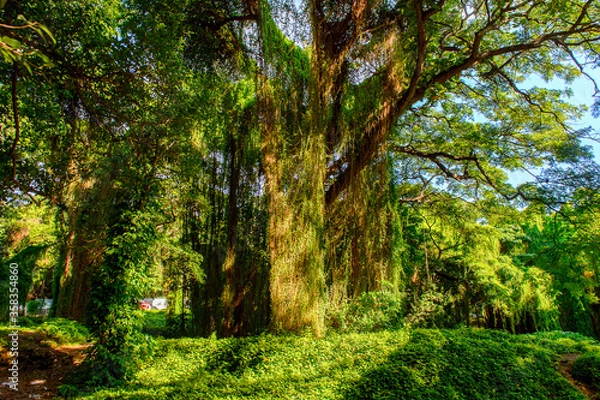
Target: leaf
15, 44
27, 66
44, 58
43, 29
8, 56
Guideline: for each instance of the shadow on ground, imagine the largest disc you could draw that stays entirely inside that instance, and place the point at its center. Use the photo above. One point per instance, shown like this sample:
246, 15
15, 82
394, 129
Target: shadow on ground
435, 365
42, 368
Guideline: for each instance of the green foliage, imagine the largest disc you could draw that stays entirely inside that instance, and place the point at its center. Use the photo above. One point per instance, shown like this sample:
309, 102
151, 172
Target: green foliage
249, 154
18, 48
401, 364
565, 246
370, 312
34, 306
65, 331
429, 309
465, 269
586, 369
27, 238
61, 331
115, 322
156, 323
465, 365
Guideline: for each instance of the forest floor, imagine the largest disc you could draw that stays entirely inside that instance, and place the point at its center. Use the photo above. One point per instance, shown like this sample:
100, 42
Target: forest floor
44, 365
413, 364
565, 366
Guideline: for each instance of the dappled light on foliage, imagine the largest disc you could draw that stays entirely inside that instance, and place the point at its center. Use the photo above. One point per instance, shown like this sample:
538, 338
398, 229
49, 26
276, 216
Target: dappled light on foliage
303, 167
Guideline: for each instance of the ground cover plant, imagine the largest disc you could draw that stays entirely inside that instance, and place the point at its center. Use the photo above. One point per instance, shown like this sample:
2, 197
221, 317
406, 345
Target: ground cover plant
403, 364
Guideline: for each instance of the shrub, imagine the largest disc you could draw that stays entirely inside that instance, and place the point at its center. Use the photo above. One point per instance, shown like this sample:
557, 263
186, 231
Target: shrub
65, 331
371, 312
34, 306
587, 369
429, 309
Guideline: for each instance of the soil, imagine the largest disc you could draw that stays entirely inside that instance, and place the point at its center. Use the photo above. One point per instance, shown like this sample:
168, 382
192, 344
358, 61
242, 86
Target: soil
42, 366
565, 365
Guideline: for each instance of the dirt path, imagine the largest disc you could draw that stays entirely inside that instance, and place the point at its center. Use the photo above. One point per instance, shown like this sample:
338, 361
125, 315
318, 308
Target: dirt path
565, 365
42, 367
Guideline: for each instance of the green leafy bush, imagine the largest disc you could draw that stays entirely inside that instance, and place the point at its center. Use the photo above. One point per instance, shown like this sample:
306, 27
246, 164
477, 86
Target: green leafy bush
371, 312
65, 331
587, 369
34, 306
429, 309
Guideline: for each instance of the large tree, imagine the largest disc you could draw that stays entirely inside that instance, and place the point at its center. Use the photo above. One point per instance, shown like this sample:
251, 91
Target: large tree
342, 84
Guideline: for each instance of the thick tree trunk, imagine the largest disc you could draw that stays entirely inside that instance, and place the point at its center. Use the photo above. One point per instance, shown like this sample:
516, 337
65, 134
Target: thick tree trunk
295, 244
74, 292
89, 204
295, 193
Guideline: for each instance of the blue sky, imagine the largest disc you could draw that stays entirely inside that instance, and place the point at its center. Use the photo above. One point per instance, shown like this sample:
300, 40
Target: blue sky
583, 93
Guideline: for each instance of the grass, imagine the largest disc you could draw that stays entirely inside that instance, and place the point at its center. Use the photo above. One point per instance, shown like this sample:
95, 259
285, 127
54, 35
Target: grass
61, 331
403, 364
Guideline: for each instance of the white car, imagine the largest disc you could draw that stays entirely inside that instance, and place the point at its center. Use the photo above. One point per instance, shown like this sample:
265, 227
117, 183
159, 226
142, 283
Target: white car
159, 303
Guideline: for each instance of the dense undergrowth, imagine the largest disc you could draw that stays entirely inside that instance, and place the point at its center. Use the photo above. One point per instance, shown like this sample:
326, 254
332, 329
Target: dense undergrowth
392, 364
59, 331
403, 364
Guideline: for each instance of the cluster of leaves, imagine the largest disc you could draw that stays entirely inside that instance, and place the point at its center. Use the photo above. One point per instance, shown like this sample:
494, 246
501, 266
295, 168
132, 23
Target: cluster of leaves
65, 331
370, 312
15, 42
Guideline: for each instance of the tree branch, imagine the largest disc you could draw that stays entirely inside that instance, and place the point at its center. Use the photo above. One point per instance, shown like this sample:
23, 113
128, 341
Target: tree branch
15, 107
383, 119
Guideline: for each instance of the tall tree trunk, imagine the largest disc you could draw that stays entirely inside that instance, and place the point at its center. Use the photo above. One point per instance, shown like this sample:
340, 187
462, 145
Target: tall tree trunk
233, 290
83, 249
296, 247
295, 193
207, 298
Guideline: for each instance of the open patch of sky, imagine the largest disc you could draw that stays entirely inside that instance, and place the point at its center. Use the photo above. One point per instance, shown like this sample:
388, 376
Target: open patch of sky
582, 94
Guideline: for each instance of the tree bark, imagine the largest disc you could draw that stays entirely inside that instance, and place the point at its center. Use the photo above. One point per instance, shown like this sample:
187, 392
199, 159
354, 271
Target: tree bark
233, 291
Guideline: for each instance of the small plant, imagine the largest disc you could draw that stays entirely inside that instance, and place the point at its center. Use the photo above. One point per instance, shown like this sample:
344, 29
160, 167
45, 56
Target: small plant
65, 331
68, 391
34, 307
587, 369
